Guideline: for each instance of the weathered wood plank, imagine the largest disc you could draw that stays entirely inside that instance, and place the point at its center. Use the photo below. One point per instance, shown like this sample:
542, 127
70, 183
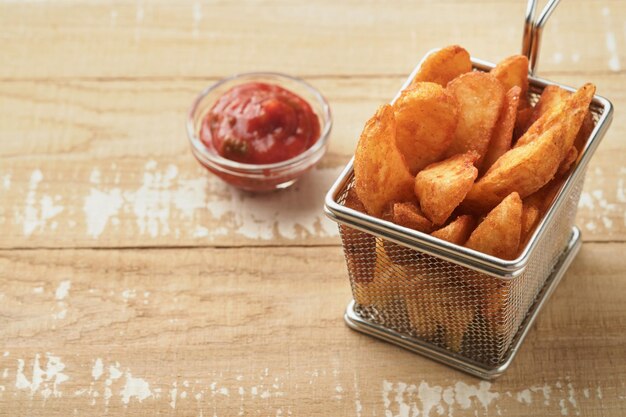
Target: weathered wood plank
194, 38
108, 164
259, 331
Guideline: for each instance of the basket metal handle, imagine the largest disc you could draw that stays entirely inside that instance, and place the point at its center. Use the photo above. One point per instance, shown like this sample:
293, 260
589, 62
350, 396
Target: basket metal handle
533, 30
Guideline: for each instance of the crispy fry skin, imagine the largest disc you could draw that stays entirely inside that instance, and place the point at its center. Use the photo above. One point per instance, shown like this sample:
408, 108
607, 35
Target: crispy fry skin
527, 168
353, 201
535, 206
522, 121
380, 171
441, 186
480, 97
524, 170
551, 99
568, 112
499, 233
568, 162
458, 231
443, 66
530, 217
513, 71
409, 215
584, 132
503, 131
426, 118
431, 304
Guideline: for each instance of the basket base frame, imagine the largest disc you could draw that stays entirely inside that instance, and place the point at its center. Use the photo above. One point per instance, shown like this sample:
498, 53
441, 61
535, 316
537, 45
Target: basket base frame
355, 322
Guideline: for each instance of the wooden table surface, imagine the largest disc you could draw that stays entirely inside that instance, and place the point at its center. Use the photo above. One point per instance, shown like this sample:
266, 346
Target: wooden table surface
134, 283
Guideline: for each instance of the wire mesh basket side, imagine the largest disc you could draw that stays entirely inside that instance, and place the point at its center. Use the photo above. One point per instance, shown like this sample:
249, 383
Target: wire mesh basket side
444, 304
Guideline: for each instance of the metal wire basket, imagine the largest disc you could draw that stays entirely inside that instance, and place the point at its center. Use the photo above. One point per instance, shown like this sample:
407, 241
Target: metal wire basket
453, 304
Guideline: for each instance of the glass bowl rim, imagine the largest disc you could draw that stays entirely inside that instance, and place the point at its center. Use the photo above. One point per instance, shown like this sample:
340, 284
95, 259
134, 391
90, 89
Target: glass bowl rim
215, 158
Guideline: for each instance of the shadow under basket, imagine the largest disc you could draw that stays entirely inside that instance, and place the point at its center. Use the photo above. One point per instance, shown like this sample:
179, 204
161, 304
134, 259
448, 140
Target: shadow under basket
455, 305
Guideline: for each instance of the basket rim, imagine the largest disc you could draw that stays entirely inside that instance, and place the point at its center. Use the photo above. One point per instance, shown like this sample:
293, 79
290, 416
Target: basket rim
491, 265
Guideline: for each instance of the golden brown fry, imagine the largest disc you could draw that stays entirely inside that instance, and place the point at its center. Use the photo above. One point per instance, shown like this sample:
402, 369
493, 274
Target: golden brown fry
441, 186
568, 162
525, 169
426, 118
513, 71
551, 100
353, 201
480, 97
584, 133
443, 66
560, 107
522, 121
503, 131
380, 171
458, 231
530, 217
409, 215
535, 206
499, 233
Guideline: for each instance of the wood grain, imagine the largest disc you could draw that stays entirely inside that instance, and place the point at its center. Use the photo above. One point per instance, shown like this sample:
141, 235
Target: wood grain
133, 283
258, 330
194, 38
122, 146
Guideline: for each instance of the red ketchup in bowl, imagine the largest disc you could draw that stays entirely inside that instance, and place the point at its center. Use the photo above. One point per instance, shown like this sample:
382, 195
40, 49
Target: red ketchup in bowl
260, 123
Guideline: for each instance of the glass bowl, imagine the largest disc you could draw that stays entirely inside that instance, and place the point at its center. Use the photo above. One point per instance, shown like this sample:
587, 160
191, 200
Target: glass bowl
258, 177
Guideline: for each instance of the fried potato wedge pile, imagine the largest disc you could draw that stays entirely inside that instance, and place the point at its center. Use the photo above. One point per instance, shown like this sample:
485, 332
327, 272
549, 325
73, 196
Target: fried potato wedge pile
463, 155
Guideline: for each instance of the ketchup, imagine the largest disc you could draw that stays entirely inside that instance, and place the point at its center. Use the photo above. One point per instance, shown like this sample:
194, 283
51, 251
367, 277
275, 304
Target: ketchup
260, 123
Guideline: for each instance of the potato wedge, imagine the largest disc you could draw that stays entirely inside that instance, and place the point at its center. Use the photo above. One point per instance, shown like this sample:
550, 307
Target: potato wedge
426, 119
503, 131
443, 66
458, 231
380, 171
441, 186
480, 97
530, 216
409, 215
562, 108
522, 121
513, 71
525, 169
551, 99
499, 233
568, 162
535, 206
353, 201
584, 133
